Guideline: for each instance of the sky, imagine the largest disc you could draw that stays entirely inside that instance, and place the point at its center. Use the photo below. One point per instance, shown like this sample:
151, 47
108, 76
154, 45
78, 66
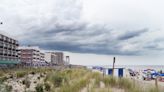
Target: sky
91, 32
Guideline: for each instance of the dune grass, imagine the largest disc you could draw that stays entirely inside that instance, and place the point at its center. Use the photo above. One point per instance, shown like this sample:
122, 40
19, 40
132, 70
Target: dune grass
74, 80
68, 80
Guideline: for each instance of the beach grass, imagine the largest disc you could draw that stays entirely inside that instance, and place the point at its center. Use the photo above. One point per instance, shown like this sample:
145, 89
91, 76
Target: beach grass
73, 80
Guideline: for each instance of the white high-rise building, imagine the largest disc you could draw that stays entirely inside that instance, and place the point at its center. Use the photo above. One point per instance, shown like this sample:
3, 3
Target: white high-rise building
51, 58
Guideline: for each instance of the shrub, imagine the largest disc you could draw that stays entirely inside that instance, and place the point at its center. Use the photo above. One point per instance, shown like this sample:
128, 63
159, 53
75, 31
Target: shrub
35, 82
57, 80
1, 73
2, 79
41, 75
26, 82
11, 76
47, 86
20, 74
8, 88
33, 73
38, 78
39, 88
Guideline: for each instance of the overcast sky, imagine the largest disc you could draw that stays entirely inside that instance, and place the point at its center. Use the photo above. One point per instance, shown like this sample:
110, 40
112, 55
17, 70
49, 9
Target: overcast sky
90, 31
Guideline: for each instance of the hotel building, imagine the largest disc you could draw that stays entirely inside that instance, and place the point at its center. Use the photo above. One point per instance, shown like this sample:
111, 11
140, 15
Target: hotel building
60, 58
42, 56
8, 50
30, 55
51, 58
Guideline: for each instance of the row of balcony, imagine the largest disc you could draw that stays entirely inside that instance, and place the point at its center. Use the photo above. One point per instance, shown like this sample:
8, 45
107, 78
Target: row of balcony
24, 53
15, 43
25, 57
8, 55
7, 46
9, 58
7, 39
8, 51
1, 56
30, 58
28, 52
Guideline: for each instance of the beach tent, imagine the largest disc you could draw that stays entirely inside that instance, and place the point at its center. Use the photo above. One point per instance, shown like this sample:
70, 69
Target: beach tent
154, 75
149, 74
161, 75
150, 71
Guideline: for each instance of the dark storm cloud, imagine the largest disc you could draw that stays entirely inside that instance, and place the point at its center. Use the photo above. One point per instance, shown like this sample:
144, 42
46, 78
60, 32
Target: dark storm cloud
81, 38
156, 45
132, 34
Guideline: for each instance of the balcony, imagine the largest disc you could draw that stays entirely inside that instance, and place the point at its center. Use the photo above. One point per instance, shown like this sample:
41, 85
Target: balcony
14, 48
17, 44
1, 36
14, 53
13, 41
1, 52
1, 45
4, 45
10, 46
5, 52
8, 52
28, 53
7, 39
4, 38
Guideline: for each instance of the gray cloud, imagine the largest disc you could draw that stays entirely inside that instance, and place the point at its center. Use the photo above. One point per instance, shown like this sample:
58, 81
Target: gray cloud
132, 34
155, 45
82, 38
61, 25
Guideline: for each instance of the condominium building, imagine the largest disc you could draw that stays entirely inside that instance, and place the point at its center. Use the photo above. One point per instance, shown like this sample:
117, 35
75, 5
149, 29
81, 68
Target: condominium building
30, 55
8, 50
51, 58
60, 58
42, 56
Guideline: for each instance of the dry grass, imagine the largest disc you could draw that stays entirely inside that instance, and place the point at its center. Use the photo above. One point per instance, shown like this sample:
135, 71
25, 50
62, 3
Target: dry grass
74, 80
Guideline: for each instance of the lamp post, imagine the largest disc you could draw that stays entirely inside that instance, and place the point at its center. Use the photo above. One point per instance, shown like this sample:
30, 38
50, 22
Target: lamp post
113, 66
67, 60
